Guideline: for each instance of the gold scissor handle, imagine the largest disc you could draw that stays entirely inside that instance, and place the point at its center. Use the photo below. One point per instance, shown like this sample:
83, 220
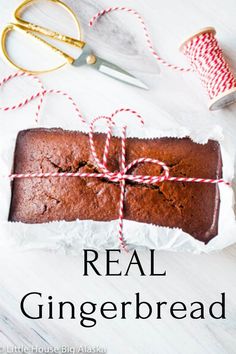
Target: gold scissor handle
52, 34
45, 31
30, 29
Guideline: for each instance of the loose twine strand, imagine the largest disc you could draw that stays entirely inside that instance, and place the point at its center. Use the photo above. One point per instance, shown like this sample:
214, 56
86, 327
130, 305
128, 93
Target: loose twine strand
41, 93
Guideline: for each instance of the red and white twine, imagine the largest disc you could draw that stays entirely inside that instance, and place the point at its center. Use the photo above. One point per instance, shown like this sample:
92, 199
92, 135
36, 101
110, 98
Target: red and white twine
207, 60
202, 51
41, 93
146, 34
120, 176
116, 177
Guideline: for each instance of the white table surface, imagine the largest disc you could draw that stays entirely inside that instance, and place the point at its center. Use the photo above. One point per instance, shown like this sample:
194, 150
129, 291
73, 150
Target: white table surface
189, 277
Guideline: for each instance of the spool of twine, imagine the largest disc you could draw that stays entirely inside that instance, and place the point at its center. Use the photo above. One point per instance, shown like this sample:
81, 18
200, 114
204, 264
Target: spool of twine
206, 58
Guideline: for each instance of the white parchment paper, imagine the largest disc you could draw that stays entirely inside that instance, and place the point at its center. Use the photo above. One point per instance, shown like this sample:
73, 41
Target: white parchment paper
72, 237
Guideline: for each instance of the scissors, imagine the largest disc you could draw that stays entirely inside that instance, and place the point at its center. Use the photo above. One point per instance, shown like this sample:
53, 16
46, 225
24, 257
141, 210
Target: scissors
87, 56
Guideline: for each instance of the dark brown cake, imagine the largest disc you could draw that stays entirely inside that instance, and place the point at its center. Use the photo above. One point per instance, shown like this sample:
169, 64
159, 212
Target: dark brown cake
193, 207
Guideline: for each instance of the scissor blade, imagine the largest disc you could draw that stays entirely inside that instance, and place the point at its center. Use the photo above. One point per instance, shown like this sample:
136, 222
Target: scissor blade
108, 68
117, 73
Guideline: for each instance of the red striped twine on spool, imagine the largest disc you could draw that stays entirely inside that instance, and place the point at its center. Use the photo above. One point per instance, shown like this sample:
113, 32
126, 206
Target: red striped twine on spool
205, 56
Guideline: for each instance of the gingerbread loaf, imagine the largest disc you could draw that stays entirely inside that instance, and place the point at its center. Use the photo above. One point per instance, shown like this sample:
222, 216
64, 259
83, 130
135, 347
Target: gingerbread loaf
193, 207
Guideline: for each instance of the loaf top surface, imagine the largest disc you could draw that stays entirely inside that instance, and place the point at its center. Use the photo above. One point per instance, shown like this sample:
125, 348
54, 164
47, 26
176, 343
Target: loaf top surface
190, 206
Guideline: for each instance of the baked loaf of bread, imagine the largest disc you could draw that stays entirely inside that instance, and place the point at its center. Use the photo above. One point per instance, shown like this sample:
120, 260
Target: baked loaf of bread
193, 207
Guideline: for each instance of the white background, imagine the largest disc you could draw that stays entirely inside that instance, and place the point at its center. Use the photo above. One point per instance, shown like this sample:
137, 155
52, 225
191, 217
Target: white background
178, 96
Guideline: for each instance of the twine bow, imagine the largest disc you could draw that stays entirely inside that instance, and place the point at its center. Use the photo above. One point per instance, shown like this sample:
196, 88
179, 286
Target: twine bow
122, 176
